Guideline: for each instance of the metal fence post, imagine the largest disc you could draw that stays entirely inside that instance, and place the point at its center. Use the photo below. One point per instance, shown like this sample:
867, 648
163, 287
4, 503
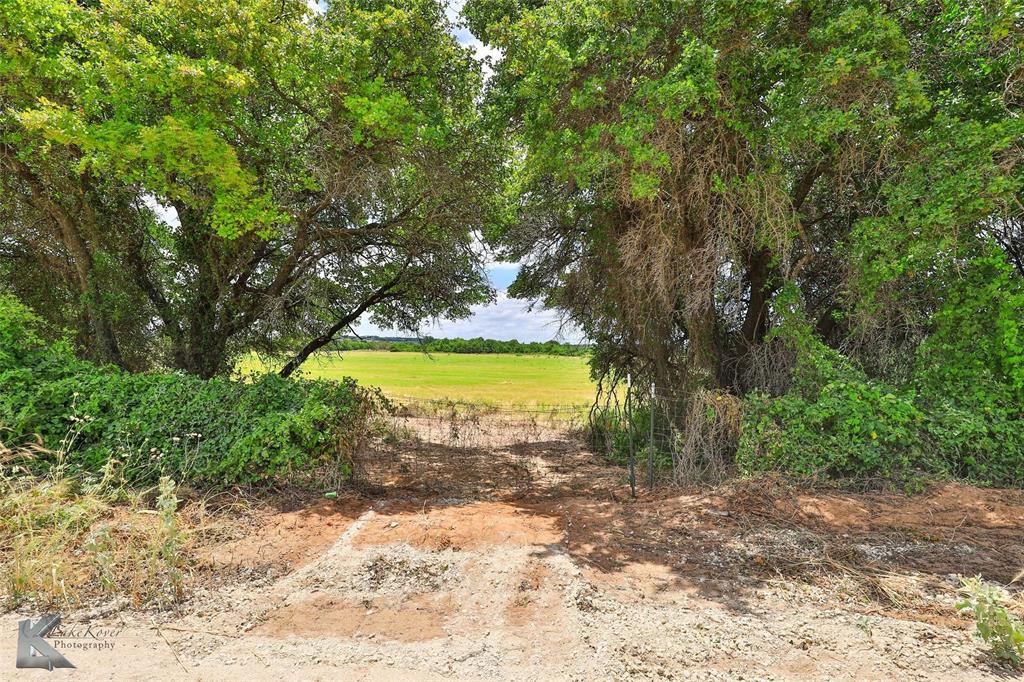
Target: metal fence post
650, 442
629, 421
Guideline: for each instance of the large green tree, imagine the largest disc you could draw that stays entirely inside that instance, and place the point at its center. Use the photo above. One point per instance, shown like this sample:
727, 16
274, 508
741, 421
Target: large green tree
685, 163
184, 180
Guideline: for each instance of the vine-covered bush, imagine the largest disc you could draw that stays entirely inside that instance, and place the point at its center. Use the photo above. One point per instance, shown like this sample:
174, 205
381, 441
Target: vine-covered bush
867, 429
960, 413
215, 431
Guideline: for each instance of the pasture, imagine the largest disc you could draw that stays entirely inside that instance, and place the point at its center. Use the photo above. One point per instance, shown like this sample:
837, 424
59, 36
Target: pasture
496, 379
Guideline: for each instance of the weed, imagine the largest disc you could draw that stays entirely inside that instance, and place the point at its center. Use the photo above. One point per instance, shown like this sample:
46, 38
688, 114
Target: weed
165, 558
997, 627
65, 538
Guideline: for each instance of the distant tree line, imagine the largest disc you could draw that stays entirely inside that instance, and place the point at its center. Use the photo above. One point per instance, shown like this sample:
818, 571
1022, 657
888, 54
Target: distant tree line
475, 345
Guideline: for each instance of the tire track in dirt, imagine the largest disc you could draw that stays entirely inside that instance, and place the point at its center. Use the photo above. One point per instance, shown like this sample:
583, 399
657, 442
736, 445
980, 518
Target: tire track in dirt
483, 590
431, 589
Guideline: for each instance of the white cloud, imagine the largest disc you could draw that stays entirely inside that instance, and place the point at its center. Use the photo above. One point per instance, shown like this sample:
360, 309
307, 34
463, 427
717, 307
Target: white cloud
165, 214
485, 53
505, 319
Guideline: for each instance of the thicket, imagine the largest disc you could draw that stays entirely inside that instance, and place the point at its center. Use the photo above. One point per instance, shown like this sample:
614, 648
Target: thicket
958, 413
803, 223
147, 425
476, 345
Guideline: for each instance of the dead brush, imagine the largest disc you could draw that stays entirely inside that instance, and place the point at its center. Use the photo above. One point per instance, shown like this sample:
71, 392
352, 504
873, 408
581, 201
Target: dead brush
900, 592
840, 568
828, 560
713, 423
65, 539
765, 496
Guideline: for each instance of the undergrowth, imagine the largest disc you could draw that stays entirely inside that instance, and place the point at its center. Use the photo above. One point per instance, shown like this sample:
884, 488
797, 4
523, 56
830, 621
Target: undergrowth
996, 626
66, 539
956, 412
213, 432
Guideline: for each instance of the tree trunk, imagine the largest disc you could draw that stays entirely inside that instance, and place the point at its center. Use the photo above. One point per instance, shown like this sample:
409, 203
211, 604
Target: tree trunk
70, 236
755, 322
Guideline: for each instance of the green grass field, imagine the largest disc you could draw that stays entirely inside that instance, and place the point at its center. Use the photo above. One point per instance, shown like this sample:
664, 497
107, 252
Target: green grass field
495, 379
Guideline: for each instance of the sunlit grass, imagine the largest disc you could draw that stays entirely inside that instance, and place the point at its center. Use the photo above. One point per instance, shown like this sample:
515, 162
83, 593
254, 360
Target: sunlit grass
496, 379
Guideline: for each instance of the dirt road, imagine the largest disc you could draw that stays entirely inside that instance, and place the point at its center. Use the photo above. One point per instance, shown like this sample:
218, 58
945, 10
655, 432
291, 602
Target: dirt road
740, 583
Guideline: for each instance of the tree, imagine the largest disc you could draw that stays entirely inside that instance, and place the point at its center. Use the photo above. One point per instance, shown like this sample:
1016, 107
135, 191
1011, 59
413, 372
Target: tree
684, 162
186, 180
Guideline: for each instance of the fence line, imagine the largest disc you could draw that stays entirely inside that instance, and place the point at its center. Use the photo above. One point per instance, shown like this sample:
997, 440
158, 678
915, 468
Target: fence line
490, 408
676, 438
680, 438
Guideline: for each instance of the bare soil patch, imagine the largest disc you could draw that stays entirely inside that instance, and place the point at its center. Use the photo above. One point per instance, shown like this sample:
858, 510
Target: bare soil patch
476, 576
287, 539
432, 526
416, 619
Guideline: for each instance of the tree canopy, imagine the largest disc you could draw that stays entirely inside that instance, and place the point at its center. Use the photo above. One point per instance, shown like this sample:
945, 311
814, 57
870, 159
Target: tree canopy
812, 208
183, 180
814, 200
684, 161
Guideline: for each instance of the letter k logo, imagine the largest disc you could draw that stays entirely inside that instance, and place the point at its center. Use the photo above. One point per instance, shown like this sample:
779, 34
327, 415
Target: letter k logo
31, 643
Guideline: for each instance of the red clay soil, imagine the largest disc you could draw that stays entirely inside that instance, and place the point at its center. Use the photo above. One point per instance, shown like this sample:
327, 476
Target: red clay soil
757, 580
436, 527
288, 539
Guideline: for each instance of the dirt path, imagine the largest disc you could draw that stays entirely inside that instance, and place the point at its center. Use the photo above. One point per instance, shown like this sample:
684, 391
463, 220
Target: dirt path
739, 584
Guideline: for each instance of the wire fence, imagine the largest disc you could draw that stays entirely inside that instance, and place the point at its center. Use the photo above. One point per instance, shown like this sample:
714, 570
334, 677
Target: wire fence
666, 437
472, 450
469, 424
654, 437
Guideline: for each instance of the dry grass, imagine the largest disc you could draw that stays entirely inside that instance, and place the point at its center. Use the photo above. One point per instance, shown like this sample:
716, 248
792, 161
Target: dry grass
835, 559
68, 539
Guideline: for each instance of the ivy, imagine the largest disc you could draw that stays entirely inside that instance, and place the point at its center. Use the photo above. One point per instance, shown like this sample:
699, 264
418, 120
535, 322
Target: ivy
212, 432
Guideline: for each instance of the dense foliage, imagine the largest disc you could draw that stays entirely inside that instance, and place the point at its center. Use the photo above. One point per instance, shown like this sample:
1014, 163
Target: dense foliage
959, 412
477, 345
812, 210
182, 181
140, 426
814, 206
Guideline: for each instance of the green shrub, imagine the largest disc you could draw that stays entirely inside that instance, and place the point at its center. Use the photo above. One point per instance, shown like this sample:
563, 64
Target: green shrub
214, 431
996, 626
960, 414
857, 427
20, 343
609, 431
853, 428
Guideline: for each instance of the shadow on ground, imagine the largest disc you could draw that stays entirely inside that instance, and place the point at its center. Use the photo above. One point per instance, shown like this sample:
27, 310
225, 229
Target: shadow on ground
884, 552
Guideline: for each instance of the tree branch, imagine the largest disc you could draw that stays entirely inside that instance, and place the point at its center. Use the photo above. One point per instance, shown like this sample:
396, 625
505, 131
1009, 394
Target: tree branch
322, 340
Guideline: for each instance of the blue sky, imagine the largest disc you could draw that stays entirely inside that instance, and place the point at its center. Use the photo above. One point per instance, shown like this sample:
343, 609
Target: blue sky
505, 319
